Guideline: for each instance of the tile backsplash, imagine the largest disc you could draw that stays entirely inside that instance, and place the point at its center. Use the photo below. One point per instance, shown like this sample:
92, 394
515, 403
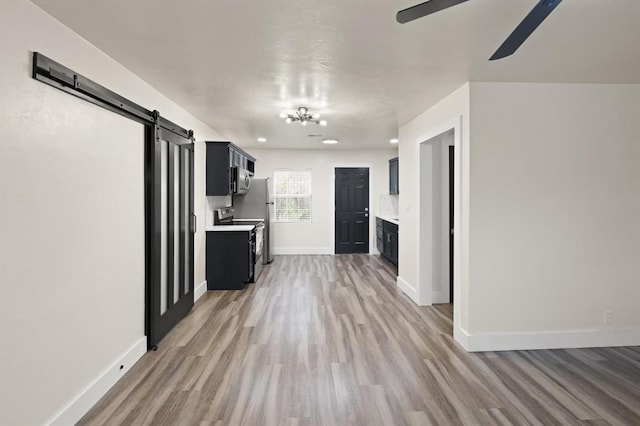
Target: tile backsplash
388, 205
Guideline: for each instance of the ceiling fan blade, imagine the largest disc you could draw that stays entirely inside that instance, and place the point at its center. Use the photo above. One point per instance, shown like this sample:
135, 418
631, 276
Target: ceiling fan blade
528, 25
424, 9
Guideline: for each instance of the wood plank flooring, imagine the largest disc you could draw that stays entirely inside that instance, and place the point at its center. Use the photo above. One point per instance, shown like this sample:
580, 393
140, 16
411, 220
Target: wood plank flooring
330, 340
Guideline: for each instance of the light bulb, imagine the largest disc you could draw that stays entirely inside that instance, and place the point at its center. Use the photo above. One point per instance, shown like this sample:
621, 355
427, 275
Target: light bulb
304, 122
288, 120
394, 140
315, 116
283, 114
330, 141
323, 122
302, 110
262, 140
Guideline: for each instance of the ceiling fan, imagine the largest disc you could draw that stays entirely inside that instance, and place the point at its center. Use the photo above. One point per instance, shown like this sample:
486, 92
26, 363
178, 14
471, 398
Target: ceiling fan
511, 44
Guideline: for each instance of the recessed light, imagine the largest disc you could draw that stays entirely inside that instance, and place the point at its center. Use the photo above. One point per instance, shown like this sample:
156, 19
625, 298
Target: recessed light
330, 141
394, 140
262, 140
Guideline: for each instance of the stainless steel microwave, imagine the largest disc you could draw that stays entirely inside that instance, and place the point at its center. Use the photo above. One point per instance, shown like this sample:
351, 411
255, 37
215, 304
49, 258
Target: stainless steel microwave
241, 180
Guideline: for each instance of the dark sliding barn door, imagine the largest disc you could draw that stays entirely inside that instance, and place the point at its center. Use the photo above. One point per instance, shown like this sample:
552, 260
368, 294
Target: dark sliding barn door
352, 210
170, 222
171, 229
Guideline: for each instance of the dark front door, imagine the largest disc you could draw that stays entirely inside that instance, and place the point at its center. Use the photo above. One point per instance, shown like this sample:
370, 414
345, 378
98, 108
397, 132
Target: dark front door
352, 210
171, 225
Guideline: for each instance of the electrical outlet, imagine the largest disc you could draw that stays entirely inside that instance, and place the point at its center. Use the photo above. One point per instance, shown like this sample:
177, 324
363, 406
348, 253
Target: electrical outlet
608, 317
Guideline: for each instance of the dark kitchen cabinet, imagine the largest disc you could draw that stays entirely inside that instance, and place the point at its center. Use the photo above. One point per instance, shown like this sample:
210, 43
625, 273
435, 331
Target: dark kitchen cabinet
222, 157
387, 240
229, 259
379, 235
390, 241
394, 182
393, 249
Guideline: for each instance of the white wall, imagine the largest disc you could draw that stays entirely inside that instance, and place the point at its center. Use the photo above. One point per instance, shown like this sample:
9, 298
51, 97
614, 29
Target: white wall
71, 222
317, 237
548, 218
555, 214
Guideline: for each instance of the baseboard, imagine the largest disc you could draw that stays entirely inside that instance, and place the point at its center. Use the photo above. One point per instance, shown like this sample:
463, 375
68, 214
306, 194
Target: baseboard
200, 290
547, 340
302, 250
408, 289
88, 397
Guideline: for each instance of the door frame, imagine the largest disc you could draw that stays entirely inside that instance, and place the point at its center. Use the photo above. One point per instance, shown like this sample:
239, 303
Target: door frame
332, 211
424, 291
451, 152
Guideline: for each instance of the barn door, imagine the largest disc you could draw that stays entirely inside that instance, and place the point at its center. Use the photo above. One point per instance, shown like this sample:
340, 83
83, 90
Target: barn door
171, 225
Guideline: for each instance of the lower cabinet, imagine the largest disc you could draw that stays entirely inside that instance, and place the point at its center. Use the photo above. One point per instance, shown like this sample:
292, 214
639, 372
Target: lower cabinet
393, 246
379, 236
387, 240
229, 259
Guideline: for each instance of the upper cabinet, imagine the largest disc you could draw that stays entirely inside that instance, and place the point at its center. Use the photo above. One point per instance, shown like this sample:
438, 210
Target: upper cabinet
394, 183
222, 158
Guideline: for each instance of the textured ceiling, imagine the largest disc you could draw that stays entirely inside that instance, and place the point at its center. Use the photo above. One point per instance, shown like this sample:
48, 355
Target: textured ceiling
237, 64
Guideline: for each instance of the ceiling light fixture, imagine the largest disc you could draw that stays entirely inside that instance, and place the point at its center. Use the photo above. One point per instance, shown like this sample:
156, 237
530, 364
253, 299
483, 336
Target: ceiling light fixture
394, 140
262, 140
330, 141
303, 115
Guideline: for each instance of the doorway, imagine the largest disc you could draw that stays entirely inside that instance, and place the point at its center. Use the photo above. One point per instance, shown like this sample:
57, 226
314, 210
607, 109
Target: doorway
351, 210
437, 233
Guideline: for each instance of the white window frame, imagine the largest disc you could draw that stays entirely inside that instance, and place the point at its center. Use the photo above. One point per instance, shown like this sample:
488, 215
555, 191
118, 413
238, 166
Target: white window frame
277, 196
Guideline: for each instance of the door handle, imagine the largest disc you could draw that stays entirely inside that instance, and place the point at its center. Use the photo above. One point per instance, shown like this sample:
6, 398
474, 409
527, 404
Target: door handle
366, 209
366, 215
194, 223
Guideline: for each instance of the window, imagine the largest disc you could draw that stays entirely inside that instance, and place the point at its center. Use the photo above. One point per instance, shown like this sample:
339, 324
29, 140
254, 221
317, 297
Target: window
292, 195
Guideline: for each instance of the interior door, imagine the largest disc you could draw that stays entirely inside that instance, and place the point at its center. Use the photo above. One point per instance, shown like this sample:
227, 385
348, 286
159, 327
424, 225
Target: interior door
451, 230
352, 210
171, 225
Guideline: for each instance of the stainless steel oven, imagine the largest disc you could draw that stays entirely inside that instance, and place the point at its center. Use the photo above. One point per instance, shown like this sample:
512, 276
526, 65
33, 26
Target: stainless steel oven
224, 216
259, 249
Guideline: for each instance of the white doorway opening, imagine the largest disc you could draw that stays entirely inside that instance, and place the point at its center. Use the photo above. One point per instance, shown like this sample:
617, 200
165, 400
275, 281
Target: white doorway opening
434, 216
434, 219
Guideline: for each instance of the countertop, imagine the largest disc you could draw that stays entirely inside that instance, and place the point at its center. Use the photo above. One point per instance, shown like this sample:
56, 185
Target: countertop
393, 220
220, 228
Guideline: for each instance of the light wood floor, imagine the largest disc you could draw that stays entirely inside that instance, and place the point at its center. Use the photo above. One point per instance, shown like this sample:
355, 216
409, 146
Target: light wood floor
330, 340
